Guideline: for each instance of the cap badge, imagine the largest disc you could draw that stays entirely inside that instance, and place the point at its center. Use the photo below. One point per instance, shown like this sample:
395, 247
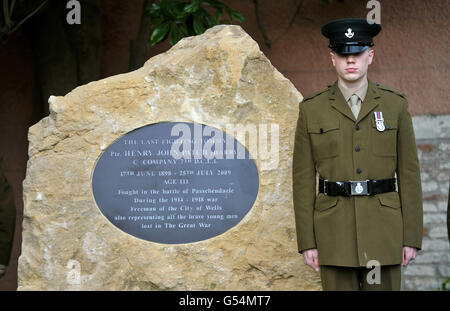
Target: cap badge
379, 121
349, 34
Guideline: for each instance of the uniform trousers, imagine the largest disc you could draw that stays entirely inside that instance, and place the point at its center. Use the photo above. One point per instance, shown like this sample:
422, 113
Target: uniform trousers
356, 278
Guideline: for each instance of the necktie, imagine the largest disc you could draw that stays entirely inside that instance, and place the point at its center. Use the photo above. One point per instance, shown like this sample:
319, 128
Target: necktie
354, 105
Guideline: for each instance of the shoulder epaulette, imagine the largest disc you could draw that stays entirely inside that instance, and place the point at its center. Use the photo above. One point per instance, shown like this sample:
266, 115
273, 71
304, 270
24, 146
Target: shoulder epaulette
314, 94
392, 90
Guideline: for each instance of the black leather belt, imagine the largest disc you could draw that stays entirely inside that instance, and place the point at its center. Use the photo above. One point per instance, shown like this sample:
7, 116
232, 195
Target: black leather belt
361, 187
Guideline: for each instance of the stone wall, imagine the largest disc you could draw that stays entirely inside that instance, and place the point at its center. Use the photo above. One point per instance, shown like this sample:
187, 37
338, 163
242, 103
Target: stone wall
432, 265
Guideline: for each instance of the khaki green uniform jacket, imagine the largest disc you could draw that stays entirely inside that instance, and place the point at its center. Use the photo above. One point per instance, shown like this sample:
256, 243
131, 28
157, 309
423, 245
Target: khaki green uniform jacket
350, 231
7, 218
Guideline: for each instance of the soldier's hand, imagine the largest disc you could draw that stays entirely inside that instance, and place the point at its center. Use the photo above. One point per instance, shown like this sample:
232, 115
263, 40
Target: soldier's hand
311, 257
2, 271
409, 253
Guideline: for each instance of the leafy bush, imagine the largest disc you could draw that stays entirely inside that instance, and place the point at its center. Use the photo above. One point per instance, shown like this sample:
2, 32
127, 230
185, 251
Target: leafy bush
179, 19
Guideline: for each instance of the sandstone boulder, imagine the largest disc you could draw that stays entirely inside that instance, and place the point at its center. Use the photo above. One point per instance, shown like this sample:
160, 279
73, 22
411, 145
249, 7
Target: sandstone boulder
218, 78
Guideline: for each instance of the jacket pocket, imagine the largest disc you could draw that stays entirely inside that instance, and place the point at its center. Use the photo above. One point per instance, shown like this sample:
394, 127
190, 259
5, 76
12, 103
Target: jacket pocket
390, 199
325, 202
384, 143
324, 139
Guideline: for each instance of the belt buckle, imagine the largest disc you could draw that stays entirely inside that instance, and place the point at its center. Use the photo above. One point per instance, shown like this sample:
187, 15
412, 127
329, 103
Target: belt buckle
359, 187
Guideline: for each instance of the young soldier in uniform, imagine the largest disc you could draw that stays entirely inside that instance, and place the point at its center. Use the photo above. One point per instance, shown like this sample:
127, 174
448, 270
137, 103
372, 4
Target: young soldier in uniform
357, 136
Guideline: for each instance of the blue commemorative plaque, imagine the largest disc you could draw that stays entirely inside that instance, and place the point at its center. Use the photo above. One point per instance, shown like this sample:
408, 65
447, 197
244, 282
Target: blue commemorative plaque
175, 183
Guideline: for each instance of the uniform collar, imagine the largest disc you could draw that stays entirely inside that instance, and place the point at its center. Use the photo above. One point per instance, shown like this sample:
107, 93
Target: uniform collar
339, 103
347, 93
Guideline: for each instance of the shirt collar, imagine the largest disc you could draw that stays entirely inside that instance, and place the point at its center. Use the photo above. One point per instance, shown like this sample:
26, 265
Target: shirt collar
347, 93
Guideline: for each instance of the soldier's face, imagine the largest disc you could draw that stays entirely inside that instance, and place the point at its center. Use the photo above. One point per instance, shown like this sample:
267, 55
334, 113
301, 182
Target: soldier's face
352, 67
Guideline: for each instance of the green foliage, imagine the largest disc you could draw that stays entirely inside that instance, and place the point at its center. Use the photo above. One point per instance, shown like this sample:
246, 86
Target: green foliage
446, 285
183, 18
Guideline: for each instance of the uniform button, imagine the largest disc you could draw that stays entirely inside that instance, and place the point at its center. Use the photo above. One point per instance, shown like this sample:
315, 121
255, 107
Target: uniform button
358, 171
321, 130
357, 149
357, 127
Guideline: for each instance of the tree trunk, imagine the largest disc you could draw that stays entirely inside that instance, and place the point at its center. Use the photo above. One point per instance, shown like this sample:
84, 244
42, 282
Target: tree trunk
138, 47
65, 56
54, 61
85, 40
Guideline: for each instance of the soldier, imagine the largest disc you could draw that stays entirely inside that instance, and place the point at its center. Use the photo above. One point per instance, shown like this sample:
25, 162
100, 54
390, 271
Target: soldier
357, 137
7, 221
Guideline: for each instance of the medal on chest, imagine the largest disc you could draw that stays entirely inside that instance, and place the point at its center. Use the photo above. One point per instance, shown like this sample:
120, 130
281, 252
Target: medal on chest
379, 121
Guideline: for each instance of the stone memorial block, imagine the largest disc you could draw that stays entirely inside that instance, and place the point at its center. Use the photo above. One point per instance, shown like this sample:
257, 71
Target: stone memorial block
176, 176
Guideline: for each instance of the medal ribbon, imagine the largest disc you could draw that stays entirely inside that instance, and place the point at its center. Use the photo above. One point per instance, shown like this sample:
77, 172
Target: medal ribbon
378, 116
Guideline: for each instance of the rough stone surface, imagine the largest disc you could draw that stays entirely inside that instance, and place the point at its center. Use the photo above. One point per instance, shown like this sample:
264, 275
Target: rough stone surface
218, 78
